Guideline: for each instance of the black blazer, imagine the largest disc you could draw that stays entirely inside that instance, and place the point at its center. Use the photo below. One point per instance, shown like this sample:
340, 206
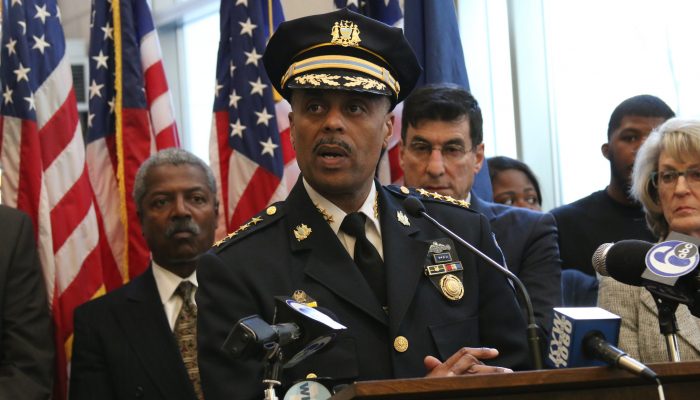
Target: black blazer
528, 240
26, 334
267, 260
124, 348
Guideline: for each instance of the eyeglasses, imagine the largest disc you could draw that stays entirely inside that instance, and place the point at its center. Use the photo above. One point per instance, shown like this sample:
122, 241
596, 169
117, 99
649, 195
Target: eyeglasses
450, 151
670, 178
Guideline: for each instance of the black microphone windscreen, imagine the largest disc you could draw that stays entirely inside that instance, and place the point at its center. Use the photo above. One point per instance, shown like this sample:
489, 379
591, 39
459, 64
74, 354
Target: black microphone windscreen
626, 262
414, 206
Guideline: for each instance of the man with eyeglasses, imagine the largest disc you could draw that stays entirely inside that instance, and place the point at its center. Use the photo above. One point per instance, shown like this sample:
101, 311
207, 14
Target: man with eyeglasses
442, 151
610, 215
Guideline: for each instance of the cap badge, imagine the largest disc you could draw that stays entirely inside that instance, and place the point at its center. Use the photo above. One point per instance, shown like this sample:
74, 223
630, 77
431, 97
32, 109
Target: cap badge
301, 232
345, 33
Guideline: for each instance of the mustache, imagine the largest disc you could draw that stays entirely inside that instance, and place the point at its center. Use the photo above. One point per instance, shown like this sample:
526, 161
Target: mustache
332, 141
182, 225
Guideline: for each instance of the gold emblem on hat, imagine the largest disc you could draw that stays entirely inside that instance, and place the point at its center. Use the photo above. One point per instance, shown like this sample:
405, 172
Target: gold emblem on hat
401, 344
451, 287
345, 33
403, 218
301, 232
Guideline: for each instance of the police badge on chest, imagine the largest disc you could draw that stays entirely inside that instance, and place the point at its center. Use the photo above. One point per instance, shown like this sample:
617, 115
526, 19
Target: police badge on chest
444, 269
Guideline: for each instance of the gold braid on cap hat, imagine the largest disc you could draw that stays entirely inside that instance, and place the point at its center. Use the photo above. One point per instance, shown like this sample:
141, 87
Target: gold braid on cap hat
342, 62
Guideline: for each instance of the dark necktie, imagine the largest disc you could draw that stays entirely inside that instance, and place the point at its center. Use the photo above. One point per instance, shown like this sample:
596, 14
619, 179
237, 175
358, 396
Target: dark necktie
366, 256
186, 334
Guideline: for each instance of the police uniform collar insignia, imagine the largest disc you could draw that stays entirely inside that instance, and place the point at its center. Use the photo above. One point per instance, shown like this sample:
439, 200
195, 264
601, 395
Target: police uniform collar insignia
302, 232
376, 205
403, 218
345, 33
326, 215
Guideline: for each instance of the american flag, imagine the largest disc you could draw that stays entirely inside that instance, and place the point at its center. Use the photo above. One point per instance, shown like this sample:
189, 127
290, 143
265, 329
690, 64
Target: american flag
250, 150
389, 12
130, 117
44, 168
431, 28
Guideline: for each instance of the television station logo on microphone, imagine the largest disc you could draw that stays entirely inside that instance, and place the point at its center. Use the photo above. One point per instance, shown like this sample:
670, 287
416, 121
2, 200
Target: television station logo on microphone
672, 258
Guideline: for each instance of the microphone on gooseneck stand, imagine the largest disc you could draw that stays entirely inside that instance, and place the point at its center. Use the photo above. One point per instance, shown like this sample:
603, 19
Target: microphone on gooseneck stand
300, 332
416, 209
581, 337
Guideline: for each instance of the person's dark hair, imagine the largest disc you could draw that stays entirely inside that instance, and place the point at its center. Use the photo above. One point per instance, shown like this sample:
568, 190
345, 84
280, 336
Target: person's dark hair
442, 102
499, 164
644, 105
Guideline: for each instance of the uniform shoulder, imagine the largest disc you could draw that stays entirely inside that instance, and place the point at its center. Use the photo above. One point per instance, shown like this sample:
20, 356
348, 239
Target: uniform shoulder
258, 223
427, 197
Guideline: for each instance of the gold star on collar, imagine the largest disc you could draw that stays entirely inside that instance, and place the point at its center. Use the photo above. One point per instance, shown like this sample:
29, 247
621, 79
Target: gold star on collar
327, 216
376, 205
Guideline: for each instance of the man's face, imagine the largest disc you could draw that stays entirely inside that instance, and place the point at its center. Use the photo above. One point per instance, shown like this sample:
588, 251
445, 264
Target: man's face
438, 156
338, 137
623, 144
179, 214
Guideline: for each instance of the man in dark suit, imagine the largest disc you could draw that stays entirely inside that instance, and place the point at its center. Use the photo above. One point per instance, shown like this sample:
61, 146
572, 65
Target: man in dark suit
140, 341
414, 304
442, 150
26, 340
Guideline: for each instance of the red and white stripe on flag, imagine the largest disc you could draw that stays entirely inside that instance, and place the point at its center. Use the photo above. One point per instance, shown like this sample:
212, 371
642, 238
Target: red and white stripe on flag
44, 165
130, 118
250, 149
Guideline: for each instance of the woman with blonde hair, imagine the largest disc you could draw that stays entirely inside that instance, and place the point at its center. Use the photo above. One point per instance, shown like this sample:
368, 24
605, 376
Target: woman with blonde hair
666, 181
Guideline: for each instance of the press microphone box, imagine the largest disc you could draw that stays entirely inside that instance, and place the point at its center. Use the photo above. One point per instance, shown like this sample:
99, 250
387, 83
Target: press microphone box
571, 324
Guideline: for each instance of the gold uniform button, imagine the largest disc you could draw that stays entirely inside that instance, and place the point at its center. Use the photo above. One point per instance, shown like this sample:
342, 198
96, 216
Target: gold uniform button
400, 344
311, 375
271, 210
405, 190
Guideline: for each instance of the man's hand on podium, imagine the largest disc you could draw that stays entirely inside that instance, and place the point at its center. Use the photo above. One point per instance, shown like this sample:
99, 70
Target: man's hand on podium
465, 361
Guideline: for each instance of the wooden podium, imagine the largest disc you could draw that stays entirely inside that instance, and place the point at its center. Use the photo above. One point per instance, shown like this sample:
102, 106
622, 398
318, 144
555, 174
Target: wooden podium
679, 380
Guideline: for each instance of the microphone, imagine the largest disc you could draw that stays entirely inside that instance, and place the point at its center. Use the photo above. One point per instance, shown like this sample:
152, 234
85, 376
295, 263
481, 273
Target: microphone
623, 261
581, 337
310, 390
661, 268
416, 209
305, 331
667, 270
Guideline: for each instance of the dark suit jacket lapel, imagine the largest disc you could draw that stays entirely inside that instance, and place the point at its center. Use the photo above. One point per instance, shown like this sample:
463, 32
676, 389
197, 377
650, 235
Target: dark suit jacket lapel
328, 261
481, 207
147, 329
405, 249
